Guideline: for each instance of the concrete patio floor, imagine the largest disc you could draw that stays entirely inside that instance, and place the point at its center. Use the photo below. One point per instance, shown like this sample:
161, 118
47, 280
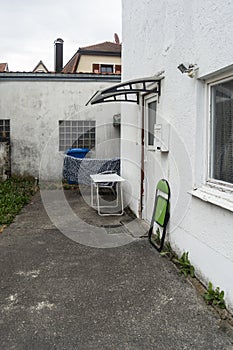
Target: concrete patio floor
59, 294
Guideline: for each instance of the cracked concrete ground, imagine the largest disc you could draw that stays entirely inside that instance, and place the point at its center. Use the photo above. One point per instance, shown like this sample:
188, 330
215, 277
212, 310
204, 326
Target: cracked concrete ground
59, 294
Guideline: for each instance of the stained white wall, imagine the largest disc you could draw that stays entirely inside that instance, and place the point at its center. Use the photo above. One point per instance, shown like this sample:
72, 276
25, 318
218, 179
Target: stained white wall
158, 36
34, 109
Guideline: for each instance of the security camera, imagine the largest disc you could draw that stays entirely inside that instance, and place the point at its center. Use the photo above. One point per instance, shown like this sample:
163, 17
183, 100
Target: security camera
182, 68
190, 70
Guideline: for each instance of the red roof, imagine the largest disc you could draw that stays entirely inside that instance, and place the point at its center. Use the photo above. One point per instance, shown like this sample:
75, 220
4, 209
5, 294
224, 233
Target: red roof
106, 47
71, 66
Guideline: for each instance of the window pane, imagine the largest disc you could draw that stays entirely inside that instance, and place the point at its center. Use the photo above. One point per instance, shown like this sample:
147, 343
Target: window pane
5, 130
151, 122
106, 68
76, 133
222, 132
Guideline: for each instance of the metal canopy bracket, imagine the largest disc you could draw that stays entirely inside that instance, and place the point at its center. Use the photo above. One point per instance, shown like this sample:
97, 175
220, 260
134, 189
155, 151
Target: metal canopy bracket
128, 91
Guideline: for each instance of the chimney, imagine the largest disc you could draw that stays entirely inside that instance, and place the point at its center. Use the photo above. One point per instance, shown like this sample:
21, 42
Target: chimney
58, 55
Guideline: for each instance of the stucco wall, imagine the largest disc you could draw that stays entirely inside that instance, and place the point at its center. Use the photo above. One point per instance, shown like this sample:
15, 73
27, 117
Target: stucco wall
35, 108
158, 36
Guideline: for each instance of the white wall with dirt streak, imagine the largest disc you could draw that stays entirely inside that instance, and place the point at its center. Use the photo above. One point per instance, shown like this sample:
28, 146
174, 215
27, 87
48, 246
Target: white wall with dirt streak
35, 106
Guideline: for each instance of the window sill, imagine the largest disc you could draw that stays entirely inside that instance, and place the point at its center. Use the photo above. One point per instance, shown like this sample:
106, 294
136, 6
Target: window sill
214, 196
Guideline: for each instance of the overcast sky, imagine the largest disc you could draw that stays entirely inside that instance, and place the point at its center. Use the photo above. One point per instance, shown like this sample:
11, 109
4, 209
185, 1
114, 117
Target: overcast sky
28, 29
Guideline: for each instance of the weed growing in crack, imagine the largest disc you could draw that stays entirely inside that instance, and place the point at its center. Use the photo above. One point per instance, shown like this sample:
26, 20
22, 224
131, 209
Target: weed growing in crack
214, 296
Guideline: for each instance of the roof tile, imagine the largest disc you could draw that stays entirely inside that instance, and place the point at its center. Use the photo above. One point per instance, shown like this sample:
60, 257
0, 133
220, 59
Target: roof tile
106, 46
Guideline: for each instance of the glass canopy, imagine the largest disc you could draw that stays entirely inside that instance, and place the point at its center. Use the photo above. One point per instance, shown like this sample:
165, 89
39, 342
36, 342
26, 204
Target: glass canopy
128, 91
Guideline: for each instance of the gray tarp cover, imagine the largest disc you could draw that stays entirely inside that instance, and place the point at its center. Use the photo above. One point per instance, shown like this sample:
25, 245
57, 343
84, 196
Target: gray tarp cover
79, 169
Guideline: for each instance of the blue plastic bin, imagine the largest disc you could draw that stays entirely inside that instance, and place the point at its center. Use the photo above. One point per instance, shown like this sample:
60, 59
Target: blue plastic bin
77, 153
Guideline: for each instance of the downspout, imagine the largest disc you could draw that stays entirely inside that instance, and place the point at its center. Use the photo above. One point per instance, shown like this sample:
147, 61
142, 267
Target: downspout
142, 160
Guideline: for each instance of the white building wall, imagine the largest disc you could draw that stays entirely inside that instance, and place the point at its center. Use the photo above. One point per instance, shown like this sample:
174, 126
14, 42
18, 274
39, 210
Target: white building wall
131, 154
158, 36
35, 108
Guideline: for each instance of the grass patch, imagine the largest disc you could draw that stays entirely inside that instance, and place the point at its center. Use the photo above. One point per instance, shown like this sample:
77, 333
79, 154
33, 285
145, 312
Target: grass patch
15, 193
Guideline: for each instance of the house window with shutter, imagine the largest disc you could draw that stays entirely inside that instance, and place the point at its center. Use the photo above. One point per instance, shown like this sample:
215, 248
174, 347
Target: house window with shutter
221, 132
104, 68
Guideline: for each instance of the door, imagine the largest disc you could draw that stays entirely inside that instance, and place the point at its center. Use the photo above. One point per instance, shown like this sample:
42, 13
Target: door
150, 158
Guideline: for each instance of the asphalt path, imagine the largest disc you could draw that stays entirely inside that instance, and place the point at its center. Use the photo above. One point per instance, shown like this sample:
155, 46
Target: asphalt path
59, 294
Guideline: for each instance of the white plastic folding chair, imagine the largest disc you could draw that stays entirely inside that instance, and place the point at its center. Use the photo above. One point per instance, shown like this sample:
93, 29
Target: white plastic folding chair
108, 185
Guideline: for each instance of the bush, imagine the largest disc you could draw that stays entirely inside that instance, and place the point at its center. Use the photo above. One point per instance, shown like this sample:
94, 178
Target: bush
14, 194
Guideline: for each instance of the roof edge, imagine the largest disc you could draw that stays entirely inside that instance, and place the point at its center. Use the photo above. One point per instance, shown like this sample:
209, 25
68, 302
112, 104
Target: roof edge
78, 77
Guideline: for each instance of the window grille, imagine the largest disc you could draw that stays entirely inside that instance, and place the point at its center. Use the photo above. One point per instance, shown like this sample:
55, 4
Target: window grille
76, 134
4, 130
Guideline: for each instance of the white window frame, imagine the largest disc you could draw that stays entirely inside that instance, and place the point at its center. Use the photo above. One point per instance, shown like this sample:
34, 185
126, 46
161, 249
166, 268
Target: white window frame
214, 183
213, 191
147, 101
